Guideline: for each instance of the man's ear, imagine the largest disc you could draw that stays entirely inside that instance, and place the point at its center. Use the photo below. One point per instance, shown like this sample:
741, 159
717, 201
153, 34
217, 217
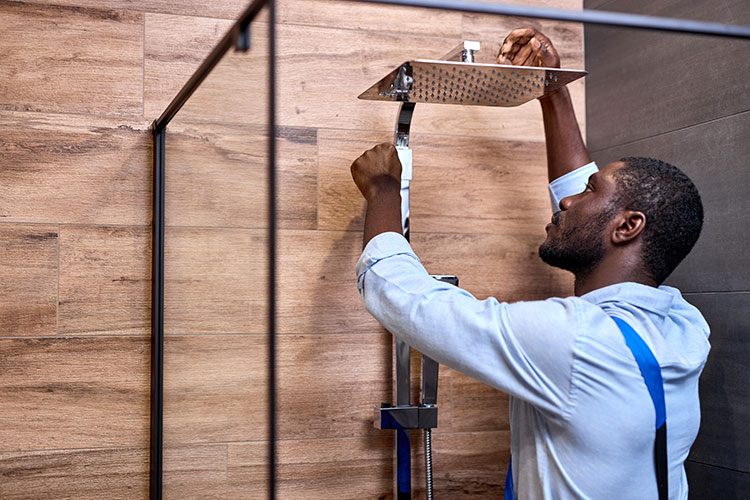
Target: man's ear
630, 224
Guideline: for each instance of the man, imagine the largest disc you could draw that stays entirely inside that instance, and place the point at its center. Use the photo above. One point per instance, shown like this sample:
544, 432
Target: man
582, 421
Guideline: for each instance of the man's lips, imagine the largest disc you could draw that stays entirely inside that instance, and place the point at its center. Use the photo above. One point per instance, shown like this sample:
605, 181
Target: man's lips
554, 222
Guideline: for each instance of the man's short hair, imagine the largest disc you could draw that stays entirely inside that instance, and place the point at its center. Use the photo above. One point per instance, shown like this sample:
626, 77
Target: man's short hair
673, 209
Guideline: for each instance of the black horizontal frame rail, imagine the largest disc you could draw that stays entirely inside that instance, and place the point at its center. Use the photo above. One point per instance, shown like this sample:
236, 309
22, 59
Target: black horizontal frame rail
581, 16
227, 42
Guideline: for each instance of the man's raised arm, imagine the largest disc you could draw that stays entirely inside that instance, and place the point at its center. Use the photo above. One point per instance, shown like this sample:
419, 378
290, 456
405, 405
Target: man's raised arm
565, 148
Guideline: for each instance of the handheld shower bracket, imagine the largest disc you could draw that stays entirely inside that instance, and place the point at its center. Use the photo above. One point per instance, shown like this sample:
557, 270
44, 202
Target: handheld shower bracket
405, 417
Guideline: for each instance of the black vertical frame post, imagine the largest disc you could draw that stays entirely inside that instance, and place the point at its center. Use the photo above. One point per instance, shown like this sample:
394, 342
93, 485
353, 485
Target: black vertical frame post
157, 319
272, 250
238, 37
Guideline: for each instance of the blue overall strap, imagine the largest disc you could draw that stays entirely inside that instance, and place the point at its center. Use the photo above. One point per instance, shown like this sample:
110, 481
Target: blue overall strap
651, 372
509, 481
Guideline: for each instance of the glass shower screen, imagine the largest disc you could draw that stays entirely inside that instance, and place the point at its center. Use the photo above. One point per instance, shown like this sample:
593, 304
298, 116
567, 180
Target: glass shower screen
216, 279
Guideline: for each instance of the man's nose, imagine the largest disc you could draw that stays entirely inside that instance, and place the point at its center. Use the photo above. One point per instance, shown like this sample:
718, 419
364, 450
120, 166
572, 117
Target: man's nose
566, 202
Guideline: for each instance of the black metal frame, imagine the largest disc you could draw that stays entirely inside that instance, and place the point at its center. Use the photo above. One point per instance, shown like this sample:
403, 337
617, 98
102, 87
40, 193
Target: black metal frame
238, 37
580, 16
235, 37
157, 321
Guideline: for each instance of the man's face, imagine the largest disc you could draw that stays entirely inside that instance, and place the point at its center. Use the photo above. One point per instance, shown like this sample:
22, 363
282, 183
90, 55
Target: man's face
576, 236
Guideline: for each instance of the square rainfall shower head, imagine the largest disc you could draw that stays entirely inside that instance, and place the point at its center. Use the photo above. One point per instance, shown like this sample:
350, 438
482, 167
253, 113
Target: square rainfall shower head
473, 84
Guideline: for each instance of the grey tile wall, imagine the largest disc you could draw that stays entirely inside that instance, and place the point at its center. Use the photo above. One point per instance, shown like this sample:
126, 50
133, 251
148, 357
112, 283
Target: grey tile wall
684, 99
723, 439
715, 155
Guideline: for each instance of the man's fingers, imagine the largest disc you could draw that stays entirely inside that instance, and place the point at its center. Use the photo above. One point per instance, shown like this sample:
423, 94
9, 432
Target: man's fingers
520, 34
522, 55
506, 52
534, 57
513, 43
509, 53
530, 60
542, 39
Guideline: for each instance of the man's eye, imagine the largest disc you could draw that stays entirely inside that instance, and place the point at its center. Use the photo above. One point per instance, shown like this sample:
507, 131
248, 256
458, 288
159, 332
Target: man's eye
588, 187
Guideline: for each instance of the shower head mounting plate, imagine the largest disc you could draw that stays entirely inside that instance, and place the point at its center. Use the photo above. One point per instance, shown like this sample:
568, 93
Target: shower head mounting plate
470, 84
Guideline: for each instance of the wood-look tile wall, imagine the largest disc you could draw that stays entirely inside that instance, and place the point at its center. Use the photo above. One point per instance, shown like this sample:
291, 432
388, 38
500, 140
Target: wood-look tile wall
82, 81
686, 103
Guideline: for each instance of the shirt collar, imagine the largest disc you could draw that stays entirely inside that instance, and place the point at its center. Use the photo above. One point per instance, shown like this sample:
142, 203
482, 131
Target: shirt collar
656, 300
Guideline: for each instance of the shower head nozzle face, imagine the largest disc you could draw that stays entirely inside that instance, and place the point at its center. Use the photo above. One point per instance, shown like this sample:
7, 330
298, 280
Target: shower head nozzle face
472, 84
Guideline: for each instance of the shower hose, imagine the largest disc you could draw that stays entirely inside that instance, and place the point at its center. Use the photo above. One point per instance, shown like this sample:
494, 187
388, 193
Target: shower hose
428, 461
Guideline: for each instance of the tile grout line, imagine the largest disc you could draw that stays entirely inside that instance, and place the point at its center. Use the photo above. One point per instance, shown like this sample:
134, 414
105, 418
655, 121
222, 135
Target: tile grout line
125, 117
461, 26
48, 451
453, 401
94, 334
57, 301
234, 19
317, 179
52, 451
716, 466
143, 70
667, 132
104, 224
90, 336
117, 117
282, 229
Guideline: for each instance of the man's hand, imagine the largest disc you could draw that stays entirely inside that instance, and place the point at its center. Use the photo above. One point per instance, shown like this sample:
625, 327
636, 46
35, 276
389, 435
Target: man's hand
528, 47
377, 173
565, 148
377, 169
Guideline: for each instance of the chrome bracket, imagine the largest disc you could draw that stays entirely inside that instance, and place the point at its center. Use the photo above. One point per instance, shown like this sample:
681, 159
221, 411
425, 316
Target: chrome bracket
402, 84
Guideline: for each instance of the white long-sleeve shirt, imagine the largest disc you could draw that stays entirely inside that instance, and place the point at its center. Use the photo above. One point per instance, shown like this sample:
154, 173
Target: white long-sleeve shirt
582, 421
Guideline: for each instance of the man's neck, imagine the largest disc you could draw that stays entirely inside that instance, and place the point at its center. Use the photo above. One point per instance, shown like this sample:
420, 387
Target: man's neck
610, 272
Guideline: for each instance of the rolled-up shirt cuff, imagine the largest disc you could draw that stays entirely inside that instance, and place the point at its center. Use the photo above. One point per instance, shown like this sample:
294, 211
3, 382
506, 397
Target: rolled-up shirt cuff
381, 247
569, 184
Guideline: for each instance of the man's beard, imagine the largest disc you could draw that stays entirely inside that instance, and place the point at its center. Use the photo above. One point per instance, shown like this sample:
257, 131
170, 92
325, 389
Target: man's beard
578, 249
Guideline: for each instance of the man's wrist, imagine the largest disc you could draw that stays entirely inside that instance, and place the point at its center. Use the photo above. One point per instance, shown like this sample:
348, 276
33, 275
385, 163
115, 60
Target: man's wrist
383, 185
383, 212
555, 95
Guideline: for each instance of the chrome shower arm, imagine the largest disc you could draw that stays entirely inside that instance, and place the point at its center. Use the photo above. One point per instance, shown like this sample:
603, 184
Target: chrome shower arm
404, 123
